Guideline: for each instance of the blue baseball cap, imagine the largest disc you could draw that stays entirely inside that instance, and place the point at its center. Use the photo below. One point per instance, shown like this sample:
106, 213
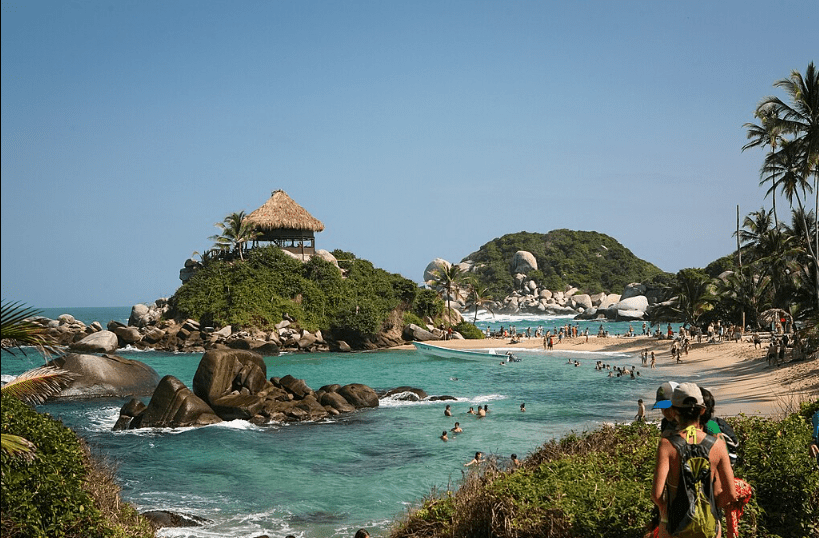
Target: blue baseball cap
664, 394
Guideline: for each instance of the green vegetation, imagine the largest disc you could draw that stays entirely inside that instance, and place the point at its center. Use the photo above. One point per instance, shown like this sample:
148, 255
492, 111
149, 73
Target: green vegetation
53, 495
468, 331
268, 284
591, 261
598, 484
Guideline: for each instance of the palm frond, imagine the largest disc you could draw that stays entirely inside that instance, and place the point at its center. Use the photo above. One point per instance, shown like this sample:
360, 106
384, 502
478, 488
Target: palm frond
17, 446
17, 330
36, 386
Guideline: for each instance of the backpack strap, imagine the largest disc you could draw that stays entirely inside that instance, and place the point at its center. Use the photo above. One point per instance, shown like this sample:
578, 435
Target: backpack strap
679, 443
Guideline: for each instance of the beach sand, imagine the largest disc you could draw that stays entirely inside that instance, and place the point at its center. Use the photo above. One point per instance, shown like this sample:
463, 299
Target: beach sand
737, 374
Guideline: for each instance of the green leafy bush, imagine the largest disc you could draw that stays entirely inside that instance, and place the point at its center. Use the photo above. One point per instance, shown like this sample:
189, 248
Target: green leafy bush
469, 331
50, 497
598, 484
268, 284
591, 261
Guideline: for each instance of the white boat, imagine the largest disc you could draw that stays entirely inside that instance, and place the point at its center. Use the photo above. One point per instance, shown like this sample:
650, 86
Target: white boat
446, 353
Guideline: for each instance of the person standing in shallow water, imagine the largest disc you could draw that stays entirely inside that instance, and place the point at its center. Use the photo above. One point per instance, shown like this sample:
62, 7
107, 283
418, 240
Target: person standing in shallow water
641, 411
448, 411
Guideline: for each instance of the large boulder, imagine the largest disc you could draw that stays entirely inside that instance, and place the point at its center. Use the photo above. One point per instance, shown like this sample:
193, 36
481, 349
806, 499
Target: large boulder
633, 290
98, 342
413, 332
221, 372
638, 302
106, 376
438, 264
583, 300
238, 406
297, 387
128, 335
608, 301
326, 256
523, 262
336, 401
174, 405
138, 311
359, 395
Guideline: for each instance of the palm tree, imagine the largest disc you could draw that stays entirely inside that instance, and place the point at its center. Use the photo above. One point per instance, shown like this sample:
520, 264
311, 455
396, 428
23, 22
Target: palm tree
798, 123
693, 294
34, 386
479, 298
235, 233
762, 135
448, 281
755, 225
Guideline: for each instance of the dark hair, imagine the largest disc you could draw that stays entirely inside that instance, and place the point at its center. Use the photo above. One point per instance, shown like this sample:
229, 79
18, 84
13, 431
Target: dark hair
689, 414
708, 400
514, 456
444, 433
362, 533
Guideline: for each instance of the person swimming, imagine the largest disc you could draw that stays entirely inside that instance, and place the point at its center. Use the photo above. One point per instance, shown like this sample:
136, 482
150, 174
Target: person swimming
477, 459
457, 428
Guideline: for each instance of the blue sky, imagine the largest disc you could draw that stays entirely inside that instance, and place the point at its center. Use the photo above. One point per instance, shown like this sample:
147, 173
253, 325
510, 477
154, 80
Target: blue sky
413, 130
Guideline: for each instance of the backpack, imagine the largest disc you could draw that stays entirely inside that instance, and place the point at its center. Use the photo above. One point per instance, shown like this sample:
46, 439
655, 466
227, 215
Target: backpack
693, 512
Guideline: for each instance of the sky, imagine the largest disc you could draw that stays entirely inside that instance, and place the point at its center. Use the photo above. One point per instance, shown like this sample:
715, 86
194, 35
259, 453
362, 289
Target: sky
412, 129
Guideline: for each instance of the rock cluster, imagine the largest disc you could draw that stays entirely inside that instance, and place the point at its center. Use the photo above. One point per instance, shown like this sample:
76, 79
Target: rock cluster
530, 298
147, 329
233, 384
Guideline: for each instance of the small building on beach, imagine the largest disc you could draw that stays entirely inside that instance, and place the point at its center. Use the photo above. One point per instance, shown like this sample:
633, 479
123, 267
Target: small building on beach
286, 224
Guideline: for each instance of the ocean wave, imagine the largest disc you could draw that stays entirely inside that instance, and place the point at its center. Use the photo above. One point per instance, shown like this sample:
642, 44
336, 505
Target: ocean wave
395, 401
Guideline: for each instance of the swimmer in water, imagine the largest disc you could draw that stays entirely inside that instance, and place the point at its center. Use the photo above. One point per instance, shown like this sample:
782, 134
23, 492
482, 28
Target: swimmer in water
457, 428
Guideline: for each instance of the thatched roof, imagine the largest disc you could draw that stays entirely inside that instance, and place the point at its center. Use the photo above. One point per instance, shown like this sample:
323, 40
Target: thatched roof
773, 315
281, 212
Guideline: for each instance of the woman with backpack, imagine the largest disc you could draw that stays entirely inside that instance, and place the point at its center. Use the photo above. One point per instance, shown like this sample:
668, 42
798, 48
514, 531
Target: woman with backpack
691, 466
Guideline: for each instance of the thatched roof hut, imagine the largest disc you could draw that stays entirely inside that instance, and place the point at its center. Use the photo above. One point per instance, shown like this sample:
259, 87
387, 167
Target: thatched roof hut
285, 223
774, 315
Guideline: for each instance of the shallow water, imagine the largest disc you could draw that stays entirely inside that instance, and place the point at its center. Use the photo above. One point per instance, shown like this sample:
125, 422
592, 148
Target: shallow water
364, 469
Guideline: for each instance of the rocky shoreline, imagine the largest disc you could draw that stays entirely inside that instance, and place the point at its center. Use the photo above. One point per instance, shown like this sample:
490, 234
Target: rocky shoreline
529, 297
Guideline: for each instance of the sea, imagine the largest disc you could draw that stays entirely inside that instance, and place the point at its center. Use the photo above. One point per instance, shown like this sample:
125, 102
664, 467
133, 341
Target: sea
360, 470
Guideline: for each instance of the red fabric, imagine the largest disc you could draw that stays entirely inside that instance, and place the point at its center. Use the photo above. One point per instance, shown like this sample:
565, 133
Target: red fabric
734, 512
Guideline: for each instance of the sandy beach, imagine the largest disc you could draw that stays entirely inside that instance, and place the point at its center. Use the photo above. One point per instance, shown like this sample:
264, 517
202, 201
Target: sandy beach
737, 374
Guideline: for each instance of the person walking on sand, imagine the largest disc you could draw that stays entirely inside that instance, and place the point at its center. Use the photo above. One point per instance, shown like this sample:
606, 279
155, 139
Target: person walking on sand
653, 359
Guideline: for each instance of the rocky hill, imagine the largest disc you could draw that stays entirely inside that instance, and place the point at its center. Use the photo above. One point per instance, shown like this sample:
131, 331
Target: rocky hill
590, 261
561, 272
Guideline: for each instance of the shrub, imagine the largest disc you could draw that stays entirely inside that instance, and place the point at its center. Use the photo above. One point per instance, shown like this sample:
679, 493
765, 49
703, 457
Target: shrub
50, 496
598, 484
469, 331
410, 318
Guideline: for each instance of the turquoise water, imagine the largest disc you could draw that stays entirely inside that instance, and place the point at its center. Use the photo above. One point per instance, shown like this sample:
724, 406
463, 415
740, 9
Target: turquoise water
364, 469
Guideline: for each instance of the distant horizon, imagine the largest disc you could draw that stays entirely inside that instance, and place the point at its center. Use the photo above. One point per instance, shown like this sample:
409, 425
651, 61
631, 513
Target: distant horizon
412, 130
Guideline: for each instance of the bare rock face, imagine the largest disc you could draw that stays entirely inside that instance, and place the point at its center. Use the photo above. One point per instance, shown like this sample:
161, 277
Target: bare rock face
438, 264
221, 372
98, 342
359, 395
524, 262
175, 405
106, 376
